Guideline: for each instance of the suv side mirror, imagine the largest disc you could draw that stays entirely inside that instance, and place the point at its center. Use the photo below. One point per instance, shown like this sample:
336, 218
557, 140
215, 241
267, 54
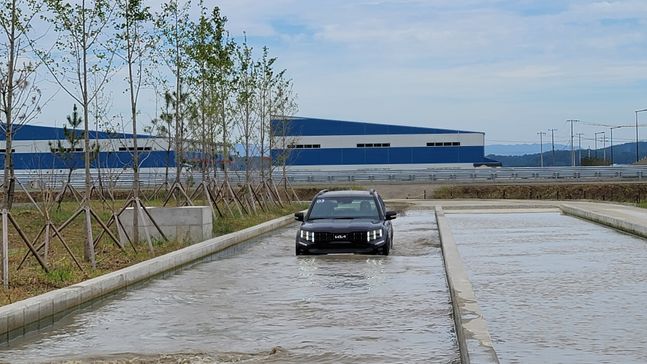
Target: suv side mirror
298, 216
390, 215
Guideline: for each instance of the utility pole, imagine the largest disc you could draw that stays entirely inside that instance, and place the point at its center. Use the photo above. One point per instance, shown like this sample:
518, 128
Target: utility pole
572, 149
541, 148
637, 154
604, 146
596, 143
579, 147
552, 142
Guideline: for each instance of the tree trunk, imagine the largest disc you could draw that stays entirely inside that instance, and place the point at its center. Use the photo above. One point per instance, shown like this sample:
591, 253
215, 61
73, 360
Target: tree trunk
133, 115
178, 102
89, 242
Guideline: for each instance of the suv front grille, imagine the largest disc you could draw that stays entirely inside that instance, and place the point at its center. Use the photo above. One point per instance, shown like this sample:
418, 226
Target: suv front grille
354, 237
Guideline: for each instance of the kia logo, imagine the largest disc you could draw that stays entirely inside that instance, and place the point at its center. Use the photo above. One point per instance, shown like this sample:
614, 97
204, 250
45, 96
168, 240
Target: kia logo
339, 237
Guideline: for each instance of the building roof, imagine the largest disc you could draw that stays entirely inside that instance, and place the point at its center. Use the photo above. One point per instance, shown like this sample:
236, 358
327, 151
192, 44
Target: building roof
303, 126
37, 132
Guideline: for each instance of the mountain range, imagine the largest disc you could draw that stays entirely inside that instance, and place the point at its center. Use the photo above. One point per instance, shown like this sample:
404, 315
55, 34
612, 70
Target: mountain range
621, 154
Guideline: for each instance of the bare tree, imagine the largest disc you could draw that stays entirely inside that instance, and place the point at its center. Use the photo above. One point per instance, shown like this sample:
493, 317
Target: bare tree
137, 43
19, 99
246, 81
173, 23
82, 29
286, 107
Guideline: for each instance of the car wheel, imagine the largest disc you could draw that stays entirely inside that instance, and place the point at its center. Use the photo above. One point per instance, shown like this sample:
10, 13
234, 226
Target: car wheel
298, 251
385, 250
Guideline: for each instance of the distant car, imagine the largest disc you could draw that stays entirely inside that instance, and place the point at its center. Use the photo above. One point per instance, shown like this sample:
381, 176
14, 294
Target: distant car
345, 222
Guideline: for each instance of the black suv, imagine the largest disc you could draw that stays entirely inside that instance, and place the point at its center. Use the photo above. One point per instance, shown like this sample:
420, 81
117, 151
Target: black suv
345, 222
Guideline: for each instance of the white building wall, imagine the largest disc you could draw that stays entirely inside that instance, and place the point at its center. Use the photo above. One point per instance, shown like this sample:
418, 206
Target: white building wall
396, 140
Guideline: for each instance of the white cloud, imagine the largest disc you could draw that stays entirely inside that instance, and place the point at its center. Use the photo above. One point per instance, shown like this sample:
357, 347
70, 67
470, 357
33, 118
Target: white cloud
473, 64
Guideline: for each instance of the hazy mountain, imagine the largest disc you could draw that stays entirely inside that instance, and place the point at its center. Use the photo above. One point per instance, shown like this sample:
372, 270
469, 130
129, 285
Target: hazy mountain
520, 149
622, 154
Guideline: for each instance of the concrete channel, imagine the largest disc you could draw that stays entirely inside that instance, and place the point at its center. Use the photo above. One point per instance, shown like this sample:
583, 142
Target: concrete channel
454, 330
263, 304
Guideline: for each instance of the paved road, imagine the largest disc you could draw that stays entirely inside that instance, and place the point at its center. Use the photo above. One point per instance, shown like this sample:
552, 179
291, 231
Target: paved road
260, 303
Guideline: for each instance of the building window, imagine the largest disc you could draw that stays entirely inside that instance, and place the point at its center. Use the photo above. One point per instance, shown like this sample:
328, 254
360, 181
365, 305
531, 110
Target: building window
373, 145
131, 149
444, 144
69, 150
304, 146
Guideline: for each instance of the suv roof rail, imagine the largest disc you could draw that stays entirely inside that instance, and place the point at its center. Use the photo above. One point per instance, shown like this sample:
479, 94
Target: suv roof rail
322, 191
372, 191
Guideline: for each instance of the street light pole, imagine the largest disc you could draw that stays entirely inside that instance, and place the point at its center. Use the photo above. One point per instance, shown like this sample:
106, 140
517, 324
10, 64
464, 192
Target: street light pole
579, 147
552, 142
572, 148
596, 143
611, 130
604, 146
637, 154
541, 148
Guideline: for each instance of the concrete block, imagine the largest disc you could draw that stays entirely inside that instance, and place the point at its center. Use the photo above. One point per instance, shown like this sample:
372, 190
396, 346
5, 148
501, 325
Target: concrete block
175, 222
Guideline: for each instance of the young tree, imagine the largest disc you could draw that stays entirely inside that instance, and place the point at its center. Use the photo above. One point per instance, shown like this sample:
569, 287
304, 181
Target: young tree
82, 27
163, 127
286, 107
69, 149
19, 97
137, 43
266, 82
245, 82
203, 54
173, 24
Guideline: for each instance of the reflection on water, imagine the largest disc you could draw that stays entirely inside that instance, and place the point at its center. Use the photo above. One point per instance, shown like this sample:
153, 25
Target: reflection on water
266, 305
555, 289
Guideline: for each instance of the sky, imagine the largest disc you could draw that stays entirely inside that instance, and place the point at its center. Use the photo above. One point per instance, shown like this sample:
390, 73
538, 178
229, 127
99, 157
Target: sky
508, 68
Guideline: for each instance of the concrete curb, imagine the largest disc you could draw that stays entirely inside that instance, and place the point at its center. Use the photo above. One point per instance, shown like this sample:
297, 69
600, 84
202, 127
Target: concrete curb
37, 312
613, 222
473, 337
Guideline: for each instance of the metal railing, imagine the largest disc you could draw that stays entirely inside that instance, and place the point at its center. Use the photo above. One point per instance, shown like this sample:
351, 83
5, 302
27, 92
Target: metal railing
152, 179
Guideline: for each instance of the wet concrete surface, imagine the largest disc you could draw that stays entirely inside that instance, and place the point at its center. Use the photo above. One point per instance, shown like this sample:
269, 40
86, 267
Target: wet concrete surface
556, 289
260, 303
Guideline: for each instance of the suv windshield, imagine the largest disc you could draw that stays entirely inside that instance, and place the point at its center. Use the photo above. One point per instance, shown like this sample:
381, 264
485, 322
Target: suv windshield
349, 207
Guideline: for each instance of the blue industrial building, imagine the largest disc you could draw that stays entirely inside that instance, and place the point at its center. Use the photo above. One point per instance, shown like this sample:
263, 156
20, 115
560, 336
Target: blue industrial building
310, 143
32, 150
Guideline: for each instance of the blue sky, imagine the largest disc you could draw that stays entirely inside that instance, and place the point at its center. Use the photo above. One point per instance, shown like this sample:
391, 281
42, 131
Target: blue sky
509, 68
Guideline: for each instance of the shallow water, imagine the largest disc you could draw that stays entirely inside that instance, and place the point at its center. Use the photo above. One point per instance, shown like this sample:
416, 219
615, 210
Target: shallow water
263, 304
556, 289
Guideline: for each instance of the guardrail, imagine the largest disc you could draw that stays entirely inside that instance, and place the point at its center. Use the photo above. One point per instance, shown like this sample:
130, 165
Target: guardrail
152, 179
510, 174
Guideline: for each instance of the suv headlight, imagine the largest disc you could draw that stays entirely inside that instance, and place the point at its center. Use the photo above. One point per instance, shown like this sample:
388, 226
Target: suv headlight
373, 235
307, 235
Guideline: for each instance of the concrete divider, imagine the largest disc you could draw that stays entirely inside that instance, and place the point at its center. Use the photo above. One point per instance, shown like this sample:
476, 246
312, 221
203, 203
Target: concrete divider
473, 337
616, 222
34, 313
